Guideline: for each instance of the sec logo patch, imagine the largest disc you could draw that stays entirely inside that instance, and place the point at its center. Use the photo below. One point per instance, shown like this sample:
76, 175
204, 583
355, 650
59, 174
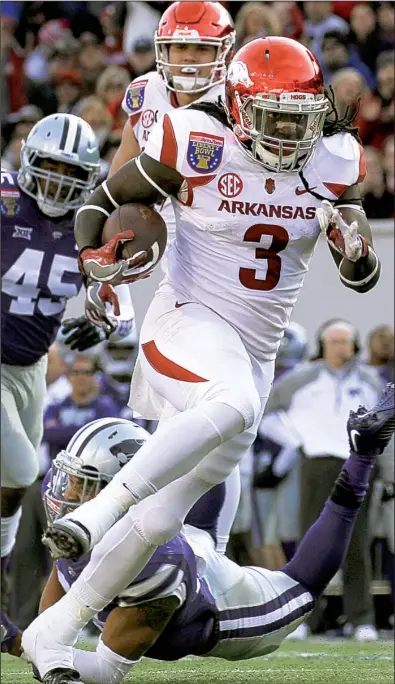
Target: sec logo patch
230, 185
148, 118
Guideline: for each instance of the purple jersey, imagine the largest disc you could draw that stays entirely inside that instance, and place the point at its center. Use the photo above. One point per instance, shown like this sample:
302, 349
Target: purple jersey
39, 273
171, 571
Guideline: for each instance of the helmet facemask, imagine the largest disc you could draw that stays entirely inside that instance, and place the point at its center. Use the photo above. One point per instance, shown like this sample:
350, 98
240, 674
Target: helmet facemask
67, 477
281, 134
71, 191
191, 81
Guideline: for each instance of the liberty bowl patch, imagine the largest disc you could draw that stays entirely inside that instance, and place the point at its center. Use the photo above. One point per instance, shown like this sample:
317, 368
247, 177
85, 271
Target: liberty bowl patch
204, 153
135, 96
10, 202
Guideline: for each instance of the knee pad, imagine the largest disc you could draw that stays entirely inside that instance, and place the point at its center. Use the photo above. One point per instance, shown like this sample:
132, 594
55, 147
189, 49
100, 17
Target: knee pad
247, 404
156, 523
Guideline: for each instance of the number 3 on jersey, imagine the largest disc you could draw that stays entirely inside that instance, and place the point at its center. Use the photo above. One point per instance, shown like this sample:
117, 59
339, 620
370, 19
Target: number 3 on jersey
279, 242
21, 282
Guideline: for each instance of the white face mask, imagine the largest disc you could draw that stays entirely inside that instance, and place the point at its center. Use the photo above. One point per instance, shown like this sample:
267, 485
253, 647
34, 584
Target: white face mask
46, 209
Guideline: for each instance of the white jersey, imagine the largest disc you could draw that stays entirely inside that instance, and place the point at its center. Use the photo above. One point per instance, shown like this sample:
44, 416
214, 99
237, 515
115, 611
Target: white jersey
244, 235
145, 101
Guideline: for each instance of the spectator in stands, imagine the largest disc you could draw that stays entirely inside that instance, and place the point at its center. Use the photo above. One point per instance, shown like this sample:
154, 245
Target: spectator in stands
92, 110
365, 34
112, 19
110, 147
36, 66
386, 22
85, 403
254, 20
110, 88
389, 165
11, 157
338, 54
290, 17
141, 22
12, 57
141, 57
68, 86
348, 85
62, 58
378, 113
91, 60
381, 351
378, 200
315, 401
276, 482
20, 123
319, 20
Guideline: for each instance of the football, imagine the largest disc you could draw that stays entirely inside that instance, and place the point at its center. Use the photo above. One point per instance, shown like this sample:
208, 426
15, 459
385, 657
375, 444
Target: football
148, 227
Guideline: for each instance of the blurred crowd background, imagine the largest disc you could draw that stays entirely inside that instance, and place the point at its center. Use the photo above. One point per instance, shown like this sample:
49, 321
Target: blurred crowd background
78, 57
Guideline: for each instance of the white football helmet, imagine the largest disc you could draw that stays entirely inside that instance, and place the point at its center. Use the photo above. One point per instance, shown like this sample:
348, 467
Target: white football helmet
60, 138
91, 459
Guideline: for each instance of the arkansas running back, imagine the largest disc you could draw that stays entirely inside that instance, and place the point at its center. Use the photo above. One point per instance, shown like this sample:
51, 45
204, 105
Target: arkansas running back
245, 234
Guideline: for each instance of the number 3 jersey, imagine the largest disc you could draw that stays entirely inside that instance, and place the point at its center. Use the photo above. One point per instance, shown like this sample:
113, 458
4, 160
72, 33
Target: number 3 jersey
245, 236
39, 272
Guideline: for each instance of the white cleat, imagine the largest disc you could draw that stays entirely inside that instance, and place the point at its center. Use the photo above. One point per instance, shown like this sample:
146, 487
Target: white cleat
42, 645
67, 538
366, 633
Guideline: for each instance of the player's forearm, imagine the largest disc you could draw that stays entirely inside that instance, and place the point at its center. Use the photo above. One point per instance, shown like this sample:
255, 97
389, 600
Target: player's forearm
53, 591
362, 275
128, 149
141, 180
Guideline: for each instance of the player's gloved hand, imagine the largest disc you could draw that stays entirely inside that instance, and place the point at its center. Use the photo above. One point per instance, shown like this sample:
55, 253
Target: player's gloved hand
102, 265
82, 334
342, 237
97, 296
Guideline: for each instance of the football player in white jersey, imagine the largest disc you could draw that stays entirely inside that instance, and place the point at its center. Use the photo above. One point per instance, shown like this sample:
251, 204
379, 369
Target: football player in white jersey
193, 45
252, 188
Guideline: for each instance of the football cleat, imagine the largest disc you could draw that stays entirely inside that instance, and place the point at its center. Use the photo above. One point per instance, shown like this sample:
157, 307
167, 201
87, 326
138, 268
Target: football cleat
8, 633
67, 539
62, 675
370, 431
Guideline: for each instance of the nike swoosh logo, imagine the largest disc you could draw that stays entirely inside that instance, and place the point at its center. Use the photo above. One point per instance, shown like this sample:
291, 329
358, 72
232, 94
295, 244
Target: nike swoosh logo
178, 304
303, 191
352, 438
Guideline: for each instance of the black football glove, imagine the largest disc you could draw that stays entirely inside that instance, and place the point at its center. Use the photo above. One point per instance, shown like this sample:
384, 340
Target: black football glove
80, 334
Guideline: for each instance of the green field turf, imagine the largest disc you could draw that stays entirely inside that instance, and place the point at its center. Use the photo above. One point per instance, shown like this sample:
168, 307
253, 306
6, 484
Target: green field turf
315, 661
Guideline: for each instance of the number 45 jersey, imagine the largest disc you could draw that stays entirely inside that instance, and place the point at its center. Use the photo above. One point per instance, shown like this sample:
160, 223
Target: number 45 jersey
245, 236
39, 272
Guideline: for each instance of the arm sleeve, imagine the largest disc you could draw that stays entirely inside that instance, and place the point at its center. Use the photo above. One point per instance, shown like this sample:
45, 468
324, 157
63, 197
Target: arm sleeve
125, 321
102, 666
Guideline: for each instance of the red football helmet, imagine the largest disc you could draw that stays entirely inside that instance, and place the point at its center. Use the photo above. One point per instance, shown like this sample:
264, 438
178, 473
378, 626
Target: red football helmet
206, 23
275, 102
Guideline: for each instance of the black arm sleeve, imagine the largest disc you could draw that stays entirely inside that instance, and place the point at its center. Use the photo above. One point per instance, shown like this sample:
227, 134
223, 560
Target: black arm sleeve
361, 275
127, 185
